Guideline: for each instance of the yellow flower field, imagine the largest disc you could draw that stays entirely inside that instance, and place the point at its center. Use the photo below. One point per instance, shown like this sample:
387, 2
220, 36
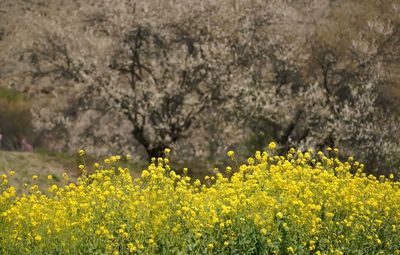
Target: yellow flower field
299, 203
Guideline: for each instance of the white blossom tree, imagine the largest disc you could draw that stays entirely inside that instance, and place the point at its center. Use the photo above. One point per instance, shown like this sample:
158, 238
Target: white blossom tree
163, 73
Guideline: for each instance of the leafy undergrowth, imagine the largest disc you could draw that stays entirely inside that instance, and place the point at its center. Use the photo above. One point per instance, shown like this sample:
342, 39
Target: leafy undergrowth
300, 203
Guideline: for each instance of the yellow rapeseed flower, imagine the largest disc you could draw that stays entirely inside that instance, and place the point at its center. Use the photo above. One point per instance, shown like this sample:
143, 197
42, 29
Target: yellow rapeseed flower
271, 145
65, 176
290, 249
317, 199
81, 152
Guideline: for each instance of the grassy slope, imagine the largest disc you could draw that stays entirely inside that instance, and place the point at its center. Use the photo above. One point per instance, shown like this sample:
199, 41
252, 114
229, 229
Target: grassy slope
42, 164
26, 164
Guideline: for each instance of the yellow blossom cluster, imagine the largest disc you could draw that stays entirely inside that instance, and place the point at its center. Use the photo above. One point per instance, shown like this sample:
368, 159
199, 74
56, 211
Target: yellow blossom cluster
299, 203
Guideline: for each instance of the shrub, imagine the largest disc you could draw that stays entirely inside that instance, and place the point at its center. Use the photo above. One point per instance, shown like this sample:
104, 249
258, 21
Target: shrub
15, 119
300, 203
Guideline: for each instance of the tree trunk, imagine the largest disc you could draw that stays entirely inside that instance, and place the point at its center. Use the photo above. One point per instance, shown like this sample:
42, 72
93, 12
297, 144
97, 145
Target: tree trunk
155, 152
